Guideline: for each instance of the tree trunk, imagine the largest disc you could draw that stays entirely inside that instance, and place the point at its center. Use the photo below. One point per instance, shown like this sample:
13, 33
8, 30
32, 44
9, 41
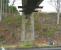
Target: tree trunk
1, 11
58, 16
58, 11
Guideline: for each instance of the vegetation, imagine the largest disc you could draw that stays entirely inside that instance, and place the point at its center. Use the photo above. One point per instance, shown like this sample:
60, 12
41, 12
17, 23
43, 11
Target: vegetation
45, 27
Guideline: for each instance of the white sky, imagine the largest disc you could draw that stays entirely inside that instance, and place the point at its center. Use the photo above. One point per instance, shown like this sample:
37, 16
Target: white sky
47, 7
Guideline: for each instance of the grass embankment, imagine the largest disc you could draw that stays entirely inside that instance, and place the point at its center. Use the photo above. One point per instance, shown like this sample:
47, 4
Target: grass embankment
44, 28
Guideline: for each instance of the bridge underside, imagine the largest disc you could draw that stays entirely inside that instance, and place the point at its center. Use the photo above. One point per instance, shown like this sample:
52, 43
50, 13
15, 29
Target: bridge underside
30, 5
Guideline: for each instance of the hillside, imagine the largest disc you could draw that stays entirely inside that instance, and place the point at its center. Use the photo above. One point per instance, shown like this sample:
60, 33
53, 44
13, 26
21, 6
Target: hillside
46, 30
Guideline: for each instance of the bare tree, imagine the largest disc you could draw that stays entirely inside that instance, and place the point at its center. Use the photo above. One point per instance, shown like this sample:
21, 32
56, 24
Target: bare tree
3, 8
58, 11
56, 4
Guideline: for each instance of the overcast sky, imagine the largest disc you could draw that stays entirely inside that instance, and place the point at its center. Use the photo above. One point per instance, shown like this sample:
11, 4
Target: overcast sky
47, 7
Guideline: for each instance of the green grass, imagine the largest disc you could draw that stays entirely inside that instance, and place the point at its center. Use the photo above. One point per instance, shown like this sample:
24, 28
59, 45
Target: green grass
26, 45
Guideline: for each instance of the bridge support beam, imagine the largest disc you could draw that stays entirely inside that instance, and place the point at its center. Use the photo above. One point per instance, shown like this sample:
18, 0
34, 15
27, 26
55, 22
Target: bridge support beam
27, 34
